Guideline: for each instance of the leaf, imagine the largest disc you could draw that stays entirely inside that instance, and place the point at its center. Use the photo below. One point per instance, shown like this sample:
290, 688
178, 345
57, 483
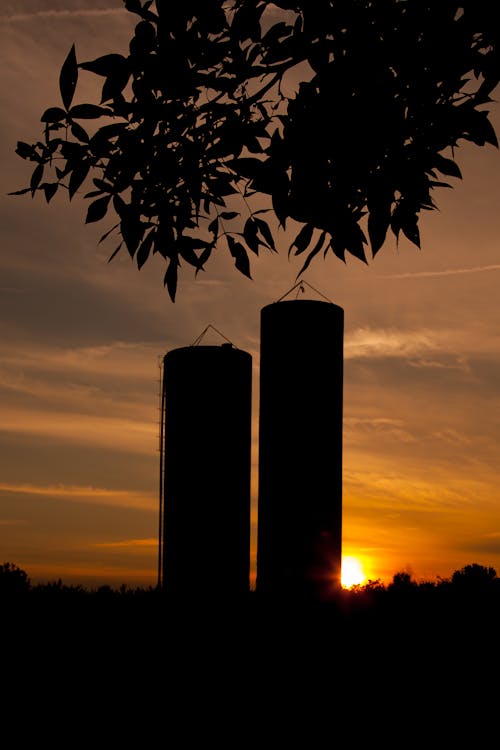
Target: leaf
266, 233
25, 150
77, 178
280, 197
106, 187
337, 248
97, 210
229, 214
411, 231
170, 278
188, 254
132, 230
20, 192
447, 166
53, 114
50, 189
214, 226
107, 132
115, 69
245, 24
106, 234
105, 65
79, 132
204, 256
275, 33
356, 246
114, 84
68, 78
302, 240
250, 232
133, 6
378, 224
249, 167
252, 143
239, 253
35, 178
478, 129
120, 206
316, 249
145, 249
88, 111
115, 252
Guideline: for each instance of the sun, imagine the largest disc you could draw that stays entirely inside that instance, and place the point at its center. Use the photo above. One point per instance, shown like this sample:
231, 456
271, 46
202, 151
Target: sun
352, 572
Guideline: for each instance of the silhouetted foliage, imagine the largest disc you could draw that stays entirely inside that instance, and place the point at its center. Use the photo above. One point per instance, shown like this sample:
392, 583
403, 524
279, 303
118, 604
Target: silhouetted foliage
14, 581
474, 576
402, 581
336, 111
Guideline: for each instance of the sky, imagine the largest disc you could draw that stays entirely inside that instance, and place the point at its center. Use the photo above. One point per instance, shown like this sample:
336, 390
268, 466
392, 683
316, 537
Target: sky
81, 343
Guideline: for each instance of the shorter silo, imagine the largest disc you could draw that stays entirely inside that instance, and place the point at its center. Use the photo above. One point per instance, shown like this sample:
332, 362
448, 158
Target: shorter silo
300, 448
206, 448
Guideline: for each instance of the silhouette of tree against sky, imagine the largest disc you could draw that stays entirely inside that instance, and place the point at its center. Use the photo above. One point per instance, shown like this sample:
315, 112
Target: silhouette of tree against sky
225, 121
474, 577
332, 666
372, 638
14, 581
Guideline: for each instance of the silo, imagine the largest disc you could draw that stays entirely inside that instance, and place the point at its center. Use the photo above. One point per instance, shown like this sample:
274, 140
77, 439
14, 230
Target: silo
300, 448
206, 444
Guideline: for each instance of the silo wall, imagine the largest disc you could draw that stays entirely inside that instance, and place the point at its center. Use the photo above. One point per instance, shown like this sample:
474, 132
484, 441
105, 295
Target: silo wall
299, 542
206, 483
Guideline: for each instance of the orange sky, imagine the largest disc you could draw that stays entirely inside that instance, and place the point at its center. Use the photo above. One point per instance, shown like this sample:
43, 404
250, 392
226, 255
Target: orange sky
81, 341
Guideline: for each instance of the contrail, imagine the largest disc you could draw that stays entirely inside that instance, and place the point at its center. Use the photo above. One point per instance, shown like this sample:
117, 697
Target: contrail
19, 17
449, 272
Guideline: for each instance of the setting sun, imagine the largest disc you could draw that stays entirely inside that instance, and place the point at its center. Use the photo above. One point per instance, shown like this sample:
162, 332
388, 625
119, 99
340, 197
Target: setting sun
352, 572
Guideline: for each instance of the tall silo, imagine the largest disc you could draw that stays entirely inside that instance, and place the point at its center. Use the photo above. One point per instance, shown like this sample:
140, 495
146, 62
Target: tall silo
300, 448
205, 473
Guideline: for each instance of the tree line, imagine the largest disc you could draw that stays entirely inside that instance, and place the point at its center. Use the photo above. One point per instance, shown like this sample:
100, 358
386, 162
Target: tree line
473, 579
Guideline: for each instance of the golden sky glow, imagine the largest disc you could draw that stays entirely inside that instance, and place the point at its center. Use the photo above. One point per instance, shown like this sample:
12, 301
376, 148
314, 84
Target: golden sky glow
81, 340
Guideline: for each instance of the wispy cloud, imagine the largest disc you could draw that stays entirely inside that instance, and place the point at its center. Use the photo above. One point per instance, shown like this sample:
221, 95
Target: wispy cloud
446, 272
135, 360
450, 435
19, 17
363, 428
29, 10
423, 347
129, 543
129, 436
94, 495
372, 342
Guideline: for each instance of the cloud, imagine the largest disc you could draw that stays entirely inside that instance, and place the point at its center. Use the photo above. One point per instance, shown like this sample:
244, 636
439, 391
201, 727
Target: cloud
114, 359
19, 17
439, 347
129, 544
108, 432
91, 495
27, 10
446, 272
489, 545
452, 436
373, 342
361, 428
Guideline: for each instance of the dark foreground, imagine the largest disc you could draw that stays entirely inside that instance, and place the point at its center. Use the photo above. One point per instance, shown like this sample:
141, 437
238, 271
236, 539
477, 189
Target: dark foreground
402, 661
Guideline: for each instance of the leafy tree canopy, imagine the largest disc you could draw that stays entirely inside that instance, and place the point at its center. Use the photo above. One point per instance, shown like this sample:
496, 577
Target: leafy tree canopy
200, 118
